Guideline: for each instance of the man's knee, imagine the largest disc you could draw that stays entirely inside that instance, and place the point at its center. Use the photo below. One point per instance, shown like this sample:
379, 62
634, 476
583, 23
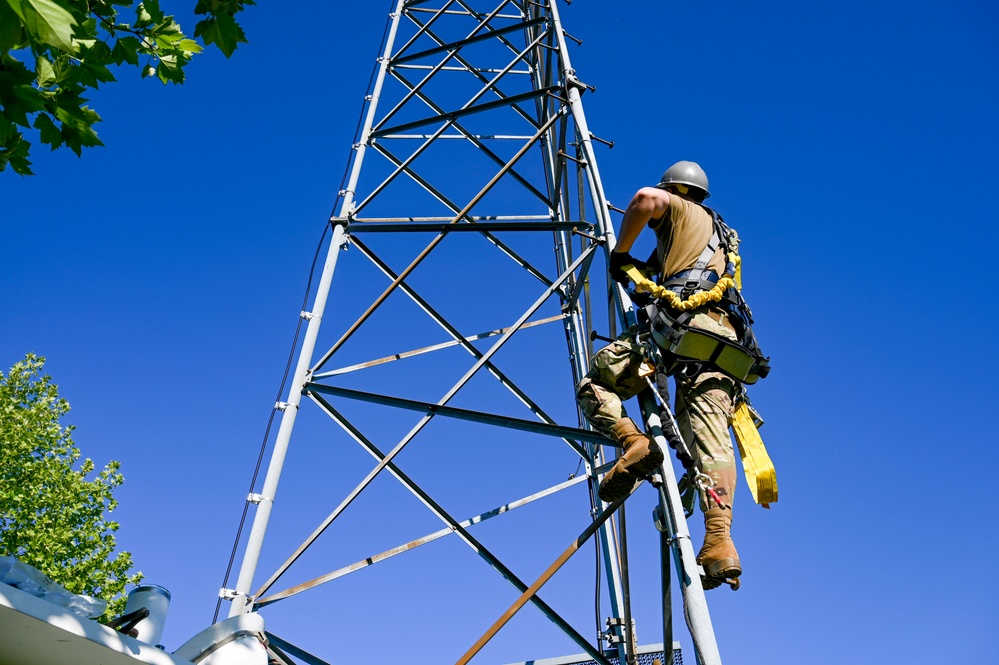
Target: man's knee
601, 406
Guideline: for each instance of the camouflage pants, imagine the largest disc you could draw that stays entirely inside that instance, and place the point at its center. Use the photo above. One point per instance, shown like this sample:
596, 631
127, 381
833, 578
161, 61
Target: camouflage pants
704, 406
703, 409
616, 374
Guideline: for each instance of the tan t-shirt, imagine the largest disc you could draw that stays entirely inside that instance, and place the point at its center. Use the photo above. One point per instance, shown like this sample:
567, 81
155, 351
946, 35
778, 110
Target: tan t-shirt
682, 234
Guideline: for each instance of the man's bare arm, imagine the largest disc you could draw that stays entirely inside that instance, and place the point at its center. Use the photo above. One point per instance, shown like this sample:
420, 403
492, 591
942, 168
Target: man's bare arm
648, 203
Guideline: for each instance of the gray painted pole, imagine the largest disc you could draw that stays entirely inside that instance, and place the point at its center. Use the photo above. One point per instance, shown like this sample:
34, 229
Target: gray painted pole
242, 603
688, 574
265, 500
608, 537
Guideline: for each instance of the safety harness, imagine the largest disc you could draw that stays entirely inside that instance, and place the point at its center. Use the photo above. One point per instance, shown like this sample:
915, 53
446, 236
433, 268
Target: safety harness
673, 303
682, 349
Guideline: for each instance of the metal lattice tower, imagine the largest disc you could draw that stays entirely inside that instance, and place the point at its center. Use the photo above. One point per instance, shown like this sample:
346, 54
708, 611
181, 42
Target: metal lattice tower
456, 310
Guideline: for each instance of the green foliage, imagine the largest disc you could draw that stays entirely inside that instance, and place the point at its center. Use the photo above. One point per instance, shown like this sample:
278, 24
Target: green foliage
53, 51
51, 516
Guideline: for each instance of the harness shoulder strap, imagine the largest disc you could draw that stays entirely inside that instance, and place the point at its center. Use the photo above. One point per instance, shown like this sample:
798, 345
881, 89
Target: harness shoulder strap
713, 243
719, 238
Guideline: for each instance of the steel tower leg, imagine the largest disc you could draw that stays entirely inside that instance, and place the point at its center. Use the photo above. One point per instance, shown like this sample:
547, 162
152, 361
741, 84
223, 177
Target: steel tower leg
670, 506
265, 500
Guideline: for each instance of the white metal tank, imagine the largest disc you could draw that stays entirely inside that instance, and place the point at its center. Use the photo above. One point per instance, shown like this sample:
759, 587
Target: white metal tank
157, 600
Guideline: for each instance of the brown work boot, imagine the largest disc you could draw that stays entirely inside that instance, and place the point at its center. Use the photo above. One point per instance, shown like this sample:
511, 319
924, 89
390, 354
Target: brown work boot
718, 556
641, 456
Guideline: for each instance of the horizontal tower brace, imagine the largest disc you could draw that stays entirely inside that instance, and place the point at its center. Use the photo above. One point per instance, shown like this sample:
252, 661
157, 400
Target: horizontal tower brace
474, 70
457, 45
478, 227
451, 137
474, 218
571, 434
514, 17
480, 108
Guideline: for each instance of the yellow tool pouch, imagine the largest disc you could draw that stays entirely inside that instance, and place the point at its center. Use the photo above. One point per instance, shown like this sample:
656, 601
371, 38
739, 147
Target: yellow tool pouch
730, 358
759, 469
692, 344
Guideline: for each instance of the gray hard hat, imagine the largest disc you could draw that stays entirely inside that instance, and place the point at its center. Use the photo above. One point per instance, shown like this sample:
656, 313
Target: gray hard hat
686, 173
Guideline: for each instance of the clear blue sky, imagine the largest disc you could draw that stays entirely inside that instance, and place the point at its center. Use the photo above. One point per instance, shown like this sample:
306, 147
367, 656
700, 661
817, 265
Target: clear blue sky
854, 147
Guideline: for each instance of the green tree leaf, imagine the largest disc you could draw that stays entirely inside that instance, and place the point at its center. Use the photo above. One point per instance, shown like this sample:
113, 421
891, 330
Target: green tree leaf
11, 32
92, 71
50, 134
143, 17
7, 130
50, 22
29, 99
221, 30
189, 46
171, 66
44, 72
14, 151
77, 129
126, 49
16, 6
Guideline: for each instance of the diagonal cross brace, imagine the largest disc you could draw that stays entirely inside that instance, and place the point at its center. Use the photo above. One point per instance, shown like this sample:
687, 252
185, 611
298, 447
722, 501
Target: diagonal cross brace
436, 241
426, 418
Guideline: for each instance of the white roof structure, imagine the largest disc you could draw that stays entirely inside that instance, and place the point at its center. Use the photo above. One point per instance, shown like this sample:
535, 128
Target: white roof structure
34, 631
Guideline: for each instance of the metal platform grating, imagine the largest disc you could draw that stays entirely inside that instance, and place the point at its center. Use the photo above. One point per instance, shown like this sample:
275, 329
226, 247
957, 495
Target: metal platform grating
647, 655
642, 659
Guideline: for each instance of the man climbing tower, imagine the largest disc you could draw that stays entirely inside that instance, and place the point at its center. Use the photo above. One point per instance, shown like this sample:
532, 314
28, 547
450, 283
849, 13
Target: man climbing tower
690, 258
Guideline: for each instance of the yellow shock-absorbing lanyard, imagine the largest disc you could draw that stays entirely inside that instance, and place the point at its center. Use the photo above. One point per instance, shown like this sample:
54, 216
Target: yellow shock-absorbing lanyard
756, 463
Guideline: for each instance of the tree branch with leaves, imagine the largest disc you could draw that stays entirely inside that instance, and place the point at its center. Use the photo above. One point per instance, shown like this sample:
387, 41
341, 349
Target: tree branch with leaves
52, 516
53, 51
